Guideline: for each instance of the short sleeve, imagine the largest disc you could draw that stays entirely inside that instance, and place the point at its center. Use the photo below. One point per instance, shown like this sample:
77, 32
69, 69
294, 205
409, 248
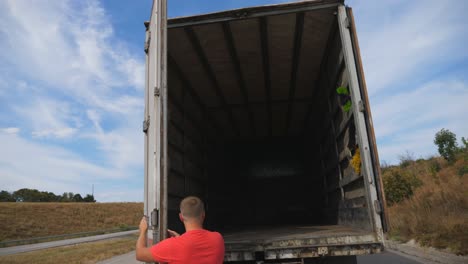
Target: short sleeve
221, 249
163, 251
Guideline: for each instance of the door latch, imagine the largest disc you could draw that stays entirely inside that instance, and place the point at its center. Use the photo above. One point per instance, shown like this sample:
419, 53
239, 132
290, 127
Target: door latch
155, 218
156, 91
146, 124
377, 206
361, 106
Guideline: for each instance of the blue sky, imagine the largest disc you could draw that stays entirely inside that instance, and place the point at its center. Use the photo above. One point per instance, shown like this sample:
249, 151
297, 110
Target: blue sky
72, 80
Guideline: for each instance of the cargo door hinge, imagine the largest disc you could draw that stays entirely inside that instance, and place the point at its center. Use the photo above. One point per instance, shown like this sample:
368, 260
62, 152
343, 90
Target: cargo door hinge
147, 43
146, 124
347, 23
377, 206
361, 106
156, 91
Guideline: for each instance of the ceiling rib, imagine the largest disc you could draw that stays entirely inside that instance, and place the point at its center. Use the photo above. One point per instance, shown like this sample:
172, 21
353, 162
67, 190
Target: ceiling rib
309, 111
211, 76
299, 29
266, 70
240, 78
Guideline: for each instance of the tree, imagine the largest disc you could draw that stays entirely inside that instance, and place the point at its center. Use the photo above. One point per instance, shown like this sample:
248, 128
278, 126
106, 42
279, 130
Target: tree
77, 198
89, 198
465, 144
49, 197
27, 195
33, 195
67, 197
6, 197
446, 142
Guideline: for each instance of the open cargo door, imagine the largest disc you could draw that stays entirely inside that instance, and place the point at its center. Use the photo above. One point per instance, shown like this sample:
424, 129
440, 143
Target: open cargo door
368, 118
155, 122
363, 120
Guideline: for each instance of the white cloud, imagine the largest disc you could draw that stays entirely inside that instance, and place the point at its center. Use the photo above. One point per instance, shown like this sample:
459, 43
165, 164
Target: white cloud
116, 193
96, 119
66, 79
10, 130
413, 52
71, 47
433, 104
25, 164
123, 146
404, 41
49, 118
410, 120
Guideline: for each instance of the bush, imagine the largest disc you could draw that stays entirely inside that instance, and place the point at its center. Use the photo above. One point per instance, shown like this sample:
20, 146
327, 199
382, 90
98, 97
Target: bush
434, 166
446, 142
463, 170
435, 214
406, 159
420, 160
399, 185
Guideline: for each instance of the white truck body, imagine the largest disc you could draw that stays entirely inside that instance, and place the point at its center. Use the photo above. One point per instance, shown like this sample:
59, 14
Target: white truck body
242, 110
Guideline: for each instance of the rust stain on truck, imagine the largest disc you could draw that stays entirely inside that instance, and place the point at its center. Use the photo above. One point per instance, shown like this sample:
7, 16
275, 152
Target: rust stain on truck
241, 109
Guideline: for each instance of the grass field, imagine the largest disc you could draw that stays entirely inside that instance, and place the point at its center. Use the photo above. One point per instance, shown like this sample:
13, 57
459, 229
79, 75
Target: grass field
81, 253
30, 220
437, 213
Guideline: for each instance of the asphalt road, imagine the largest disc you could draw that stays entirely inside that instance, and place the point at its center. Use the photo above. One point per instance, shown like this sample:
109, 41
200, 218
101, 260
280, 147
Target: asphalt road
388, 257
383, 258
59, 243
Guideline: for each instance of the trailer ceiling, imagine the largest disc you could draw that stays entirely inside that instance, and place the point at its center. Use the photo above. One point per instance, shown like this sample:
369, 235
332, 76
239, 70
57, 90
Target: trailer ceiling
251, 72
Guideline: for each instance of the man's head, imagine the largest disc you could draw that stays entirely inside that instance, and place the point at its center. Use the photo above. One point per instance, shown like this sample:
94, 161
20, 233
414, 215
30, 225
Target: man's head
192, 209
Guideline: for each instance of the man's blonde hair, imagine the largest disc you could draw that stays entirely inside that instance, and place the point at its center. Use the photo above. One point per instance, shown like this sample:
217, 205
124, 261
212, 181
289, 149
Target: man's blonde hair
192, 207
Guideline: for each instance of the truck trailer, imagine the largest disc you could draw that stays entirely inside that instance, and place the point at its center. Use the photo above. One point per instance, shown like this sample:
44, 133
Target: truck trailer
263, 113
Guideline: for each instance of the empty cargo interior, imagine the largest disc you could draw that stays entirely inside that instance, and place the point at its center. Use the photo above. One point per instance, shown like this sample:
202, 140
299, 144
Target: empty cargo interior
258, 127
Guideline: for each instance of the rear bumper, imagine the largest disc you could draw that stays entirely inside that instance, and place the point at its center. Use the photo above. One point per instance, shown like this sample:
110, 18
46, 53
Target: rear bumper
258, 252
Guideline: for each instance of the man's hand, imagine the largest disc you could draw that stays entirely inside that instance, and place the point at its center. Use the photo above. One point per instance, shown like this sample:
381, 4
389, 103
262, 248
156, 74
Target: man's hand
143, 253
143, 225
172, 233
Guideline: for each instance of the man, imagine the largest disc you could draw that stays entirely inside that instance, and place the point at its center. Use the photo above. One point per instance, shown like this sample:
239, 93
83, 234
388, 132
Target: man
196, 245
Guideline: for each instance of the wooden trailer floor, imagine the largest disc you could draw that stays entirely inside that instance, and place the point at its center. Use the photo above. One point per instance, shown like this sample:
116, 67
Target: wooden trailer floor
292, 232
299, 241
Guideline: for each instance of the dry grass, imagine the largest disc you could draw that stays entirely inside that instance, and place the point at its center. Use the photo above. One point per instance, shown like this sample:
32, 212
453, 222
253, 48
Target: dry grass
437, 213
29, 220
81, 253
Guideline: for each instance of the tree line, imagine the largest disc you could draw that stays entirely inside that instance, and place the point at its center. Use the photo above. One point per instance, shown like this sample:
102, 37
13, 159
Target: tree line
33, 195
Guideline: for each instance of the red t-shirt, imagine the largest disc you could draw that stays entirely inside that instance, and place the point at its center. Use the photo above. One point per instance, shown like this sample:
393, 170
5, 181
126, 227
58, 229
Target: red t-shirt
195, 246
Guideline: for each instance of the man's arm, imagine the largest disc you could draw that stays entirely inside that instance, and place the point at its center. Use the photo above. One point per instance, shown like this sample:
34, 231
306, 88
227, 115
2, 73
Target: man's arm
142, 252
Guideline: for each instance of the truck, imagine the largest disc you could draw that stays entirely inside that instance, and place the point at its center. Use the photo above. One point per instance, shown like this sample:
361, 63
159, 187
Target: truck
263, 113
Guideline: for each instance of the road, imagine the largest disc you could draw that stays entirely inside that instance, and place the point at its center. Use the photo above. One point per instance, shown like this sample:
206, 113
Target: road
387, 257
383, 258
59, 243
